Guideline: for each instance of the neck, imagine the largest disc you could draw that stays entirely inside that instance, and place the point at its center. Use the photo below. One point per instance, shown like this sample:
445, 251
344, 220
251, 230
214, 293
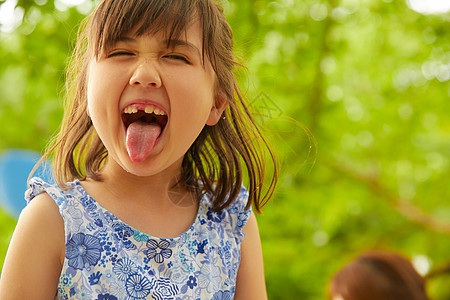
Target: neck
159, 189
157, 205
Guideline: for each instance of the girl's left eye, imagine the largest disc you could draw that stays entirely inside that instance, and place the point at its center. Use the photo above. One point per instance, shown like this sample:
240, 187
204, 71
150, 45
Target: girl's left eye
177, 57
120, 53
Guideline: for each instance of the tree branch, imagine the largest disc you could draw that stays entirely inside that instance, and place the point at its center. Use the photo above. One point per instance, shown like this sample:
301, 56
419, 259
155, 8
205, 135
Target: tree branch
404, 207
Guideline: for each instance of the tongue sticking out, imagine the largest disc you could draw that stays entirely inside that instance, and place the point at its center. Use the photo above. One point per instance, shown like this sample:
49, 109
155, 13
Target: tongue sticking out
141, 138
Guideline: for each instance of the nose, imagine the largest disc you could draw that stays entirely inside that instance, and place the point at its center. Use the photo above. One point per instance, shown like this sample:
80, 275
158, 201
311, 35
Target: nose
146, 74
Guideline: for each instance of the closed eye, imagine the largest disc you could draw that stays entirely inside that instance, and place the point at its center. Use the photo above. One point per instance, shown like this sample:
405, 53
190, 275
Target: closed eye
177, 57
120, 53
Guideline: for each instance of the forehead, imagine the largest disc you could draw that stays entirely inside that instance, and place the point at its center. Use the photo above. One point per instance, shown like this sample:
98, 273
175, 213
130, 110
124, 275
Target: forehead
173, 19
192, 35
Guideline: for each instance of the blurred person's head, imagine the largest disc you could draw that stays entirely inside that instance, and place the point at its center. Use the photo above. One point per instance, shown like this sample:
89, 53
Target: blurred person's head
378, 275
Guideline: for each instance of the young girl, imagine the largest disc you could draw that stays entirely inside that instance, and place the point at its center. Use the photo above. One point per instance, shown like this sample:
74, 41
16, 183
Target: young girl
149, 202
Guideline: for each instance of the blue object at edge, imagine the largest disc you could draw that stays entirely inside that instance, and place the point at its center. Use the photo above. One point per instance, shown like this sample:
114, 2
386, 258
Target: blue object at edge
15, 166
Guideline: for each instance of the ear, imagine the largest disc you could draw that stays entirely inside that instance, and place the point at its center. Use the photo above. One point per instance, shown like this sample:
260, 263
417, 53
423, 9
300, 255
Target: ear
220, 104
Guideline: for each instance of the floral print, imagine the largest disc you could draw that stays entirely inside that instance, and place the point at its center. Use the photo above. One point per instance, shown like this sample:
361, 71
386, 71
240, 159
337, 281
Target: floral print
95, 278
124, 268
165, 290
215, 216
192, 282
158, 250
138, 287
106, 297
107, 259
83, 249
220, 295
208, 278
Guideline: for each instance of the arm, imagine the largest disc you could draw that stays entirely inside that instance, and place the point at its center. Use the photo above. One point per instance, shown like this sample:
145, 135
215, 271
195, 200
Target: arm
34, 260
250, 284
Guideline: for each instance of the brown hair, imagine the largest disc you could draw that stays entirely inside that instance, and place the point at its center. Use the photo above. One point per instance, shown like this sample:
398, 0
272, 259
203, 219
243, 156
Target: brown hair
378, 275
213, 164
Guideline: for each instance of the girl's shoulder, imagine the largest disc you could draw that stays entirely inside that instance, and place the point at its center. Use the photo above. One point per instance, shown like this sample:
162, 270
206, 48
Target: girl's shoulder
238, 204
234, 216
241, 200
41, 229
67, 199
37, 186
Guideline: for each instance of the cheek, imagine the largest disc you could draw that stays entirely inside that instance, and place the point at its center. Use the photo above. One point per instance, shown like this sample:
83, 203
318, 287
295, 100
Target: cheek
194, 91
102, 101
104, 85
93, 87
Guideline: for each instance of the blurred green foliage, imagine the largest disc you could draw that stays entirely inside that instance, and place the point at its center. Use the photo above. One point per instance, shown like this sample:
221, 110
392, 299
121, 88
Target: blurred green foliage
355, 96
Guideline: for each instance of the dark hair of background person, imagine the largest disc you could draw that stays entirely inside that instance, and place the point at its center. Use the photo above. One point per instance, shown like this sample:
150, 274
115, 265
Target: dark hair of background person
378, 275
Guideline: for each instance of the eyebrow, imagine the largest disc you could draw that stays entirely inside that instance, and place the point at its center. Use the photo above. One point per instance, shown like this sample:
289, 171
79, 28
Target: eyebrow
126, 39
176, 42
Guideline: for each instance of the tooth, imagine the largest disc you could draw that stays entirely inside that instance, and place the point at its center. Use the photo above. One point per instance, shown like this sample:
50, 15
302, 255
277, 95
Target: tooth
134, 109
127, 110
158, 111
149, 109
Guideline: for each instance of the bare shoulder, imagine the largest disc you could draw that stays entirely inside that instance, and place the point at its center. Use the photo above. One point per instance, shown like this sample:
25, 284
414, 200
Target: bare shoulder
250, 283
41, 206
34, 259
41, 218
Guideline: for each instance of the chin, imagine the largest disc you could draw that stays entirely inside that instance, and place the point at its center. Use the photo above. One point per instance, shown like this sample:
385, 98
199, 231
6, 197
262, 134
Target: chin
149, 168
141, 169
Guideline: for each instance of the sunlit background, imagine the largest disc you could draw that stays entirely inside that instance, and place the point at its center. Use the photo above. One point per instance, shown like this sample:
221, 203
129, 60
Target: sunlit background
355, 95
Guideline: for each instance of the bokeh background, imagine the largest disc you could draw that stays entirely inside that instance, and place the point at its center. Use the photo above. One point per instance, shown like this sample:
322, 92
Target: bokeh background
354, 94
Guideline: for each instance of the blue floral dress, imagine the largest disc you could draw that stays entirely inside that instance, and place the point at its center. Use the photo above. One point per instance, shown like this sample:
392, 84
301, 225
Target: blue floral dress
107, 259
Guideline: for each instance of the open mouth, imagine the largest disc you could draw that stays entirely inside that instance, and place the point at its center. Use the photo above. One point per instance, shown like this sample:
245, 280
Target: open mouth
144, 124
147, 114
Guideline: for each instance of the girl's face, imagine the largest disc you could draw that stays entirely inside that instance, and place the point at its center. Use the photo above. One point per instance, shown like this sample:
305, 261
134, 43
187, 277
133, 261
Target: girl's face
149, 102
